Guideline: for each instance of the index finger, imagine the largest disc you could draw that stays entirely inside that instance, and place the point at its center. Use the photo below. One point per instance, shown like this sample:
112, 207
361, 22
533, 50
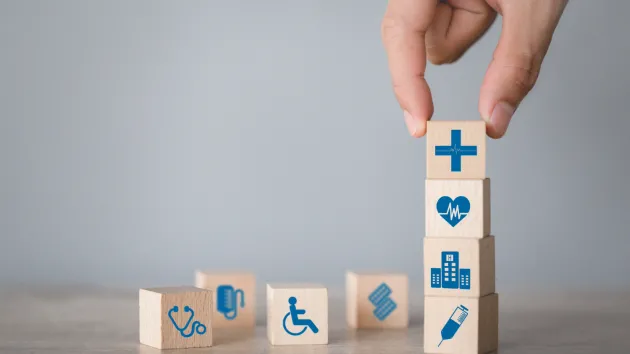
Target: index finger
403, 32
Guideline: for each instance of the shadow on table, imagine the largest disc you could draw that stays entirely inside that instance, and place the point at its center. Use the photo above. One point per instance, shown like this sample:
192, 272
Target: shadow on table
225, 336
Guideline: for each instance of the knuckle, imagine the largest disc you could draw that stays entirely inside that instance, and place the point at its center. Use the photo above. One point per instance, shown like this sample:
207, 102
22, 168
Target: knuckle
524, 79
400, 91
405, 89
391, 28
524, 68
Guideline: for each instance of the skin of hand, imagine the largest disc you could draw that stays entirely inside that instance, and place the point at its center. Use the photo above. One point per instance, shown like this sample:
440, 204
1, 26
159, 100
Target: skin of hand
416, 30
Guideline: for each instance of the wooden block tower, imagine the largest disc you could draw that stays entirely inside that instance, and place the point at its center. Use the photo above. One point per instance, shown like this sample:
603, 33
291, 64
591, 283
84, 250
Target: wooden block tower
460, 305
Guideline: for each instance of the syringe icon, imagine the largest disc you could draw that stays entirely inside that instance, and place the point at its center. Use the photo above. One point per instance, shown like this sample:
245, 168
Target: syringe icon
454, 322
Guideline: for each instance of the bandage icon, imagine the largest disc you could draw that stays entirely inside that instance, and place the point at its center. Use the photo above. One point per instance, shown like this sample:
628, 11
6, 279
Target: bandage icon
384, 304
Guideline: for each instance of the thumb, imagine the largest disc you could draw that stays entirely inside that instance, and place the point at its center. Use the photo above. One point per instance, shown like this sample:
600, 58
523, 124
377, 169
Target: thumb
526, 33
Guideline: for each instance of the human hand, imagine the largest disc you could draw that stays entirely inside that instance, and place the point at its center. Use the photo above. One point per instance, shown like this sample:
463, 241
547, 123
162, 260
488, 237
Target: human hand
414, 30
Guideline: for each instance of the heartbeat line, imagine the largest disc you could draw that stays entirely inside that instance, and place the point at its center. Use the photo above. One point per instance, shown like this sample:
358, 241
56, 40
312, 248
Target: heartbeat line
453, 213
456, 150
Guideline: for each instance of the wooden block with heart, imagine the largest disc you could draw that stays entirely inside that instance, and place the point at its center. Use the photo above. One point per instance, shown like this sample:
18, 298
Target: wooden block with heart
457, 208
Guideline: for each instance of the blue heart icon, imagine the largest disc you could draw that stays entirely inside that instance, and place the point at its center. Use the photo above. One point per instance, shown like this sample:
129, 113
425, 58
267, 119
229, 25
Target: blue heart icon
453, 211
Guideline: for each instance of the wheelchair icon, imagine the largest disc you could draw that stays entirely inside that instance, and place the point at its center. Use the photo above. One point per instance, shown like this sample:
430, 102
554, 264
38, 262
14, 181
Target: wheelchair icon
293, 313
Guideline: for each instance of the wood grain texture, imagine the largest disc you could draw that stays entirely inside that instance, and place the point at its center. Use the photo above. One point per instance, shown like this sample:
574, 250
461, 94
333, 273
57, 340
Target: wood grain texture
310, 297
478, 255
150, 309
54, 319
472, 133
359, 309
474, 225
156, 327
478, 333
244, 316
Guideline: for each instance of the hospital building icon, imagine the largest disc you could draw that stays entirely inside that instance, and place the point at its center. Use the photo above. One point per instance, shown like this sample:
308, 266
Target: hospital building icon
450, 276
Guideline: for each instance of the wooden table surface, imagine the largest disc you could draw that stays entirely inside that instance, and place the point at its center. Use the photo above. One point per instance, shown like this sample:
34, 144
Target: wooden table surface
89, 320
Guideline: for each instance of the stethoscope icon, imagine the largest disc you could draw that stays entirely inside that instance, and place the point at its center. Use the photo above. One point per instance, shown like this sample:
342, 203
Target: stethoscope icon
196, 326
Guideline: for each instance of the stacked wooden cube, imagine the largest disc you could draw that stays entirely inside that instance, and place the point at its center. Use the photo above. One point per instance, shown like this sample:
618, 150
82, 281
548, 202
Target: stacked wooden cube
460, 304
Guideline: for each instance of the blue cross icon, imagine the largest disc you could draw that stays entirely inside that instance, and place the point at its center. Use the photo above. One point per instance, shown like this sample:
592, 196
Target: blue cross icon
456, 150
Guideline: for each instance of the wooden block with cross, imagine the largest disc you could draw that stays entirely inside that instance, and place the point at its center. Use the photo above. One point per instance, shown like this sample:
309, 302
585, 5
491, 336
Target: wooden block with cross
456, 149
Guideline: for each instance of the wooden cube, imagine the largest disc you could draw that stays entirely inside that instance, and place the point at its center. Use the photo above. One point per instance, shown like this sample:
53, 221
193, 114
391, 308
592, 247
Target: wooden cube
456, 149
234, 297
457, 208
461, 325
176, 317
375, 300
459, 266
297, 314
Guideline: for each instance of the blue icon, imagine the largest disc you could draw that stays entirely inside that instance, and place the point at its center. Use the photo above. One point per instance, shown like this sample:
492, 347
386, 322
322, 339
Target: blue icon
436, 278
196, 326
294, 312
227, 301
456, 150
454, 322
450, 276
384, 304
464, 279
453, 211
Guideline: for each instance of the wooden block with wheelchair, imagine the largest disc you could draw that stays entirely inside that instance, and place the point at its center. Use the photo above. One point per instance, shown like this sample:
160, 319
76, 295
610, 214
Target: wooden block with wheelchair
297, 314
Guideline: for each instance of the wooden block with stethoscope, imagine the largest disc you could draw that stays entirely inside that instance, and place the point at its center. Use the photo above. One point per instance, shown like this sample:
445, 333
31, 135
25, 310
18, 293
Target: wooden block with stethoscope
176, 317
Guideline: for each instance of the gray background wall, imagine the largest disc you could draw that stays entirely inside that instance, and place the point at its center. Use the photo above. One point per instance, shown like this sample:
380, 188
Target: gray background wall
140, 140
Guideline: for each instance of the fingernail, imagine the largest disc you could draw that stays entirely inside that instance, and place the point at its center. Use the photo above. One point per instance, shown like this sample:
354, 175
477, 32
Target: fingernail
413, 125
501, 117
